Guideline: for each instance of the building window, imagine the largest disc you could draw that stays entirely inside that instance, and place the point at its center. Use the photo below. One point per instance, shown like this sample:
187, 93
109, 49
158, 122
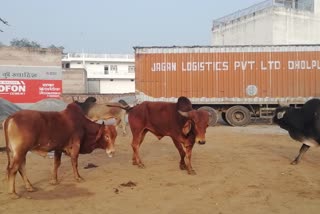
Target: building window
130, 69
67, 65
106, 69
114, 68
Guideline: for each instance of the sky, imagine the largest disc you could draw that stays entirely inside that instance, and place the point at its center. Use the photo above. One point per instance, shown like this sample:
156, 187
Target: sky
115, 27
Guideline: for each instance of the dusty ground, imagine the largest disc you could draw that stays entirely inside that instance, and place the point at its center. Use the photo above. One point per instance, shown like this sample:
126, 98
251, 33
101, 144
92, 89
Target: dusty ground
239, 170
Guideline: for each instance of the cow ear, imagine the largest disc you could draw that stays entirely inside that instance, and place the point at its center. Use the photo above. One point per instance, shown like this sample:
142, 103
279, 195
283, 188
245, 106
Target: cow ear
100, 132
186, 127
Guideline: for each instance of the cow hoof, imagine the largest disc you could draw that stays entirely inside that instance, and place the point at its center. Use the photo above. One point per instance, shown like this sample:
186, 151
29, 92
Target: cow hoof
294, 162
141, 166
31, 189
183, 167
79, 179
192, 172
14, 196
53, 182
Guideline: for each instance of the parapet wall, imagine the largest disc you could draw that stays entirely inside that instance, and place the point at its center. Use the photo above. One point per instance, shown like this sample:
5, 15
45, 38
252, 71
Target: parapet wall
30, 56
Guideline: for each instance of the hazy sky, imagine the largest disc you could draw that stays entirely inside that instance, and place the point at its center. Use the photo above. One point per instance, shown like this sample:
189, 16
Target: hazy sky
105, 26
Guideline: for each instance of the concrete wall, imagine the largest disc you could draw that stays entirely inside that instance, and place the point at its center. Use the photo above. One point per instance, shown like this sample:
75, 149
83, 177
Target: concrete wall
117, 86
271, 26
74, 81
128, 97
317, 7
253, 29
295, 27
30, 56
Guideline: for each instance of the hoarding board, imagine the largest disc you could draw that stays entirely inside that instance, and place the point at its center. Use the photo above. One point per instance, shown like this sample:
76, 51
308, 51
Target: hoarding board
29, 91
30, 84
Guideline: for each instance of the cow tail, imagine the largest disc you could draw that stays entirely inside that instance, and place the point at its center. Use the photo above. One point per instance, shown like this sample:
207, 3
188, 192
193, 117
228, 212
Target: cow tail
5, 129
126, 108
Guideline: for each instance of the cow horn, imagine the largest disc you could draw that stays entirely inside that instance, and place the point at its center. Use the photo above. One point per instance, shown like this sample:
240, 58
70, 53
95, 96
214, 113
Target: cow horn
183, 113
280, 114
283, 104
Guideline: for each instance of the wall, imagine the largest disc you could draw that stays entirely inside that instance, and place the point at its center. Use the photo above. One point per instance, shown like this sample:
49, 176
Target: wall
117, 86
254, 29
30, 56
128, 97
274, 25
295, 27
74, 81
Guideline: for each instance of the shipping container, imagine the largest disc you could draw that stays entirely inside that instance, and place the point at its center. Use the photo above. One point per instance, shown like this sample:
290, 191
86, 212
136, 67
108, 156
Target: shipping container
240, 82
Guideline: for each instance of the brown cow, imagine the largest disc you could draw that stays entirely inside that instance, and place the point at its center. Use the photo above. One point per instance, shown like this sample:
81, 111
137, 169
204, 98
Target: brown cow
68, 131
98, 111
177, 120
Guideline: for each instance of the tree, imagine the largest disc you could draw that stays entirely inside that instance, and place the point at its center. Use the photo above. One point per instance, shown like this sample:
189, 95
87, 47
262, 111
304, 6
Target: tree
4, 22
24, 43
56, 47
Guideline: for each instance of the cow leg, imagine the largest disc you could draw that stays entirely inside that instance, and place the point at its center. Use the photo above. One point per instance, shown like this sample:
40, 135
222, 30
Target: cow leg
136, 142
12, 172
74, 161
182, 153
123, 124
22, 171
56, 164
303, 150
188, 154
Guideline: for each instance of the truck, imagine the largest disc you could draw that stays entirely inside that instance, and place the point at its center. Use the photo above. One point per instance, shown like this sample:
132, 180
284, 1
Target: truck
240, 84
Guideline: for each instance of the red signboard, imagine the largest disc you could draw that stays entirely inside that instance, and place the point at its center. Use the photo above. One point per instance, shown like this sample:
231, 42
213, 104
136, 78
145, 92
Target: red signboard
29, 91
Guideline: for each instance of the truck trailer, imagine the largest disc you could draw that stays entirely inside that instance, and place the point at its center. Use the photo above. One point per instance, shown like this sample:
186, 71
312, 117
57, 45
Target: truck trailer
240, 83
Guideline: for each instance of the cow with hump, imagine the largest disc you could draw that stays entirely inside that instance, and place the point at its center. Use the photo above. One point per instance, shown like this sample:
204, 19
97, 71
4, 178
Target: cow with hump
101, 111
180, 121
68, 131
303, 124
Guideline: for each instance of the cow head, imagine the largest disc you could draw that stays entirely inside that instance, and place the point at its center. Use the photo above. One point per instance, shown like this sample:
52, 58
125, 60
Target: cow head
198, 121
106, 137
87, 104
281, 117
280, 112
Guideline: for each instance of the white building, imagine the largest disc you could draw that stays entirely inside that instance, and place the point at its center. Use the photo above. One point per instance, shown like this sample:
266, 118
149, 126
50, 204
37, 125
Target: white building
270, 22
106, 73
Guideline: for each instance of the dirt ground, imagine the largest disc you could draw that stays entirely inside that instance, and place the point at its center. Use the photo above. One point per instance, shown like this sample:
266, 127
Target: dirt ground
239, 170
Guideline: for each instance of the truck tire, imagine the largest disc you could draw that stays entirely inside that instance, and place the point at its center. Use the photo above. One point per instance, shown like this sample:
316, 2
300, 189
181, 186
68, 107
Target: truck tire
213, 115
238, 116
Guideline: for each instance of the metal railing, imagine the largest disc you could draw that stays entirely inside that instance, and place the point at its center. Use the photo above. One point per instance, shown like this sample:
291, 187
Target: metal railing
98, 56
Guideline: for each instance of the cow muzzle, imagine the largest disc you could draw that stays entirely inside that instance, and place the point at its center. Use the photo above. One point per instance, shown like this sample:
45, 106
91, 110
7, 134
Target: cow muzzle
110, 153
200, 141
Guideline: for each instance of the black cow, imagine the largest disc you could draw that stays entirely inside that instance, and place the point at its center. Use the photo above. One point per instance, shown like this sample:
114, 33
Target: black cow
303, 124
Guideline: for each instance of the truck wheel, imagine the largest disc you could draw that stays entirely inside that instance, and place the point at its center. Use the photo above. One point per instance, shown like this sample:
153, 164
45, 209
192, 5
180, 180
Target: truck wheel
213, 115
238, 116
223, 116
